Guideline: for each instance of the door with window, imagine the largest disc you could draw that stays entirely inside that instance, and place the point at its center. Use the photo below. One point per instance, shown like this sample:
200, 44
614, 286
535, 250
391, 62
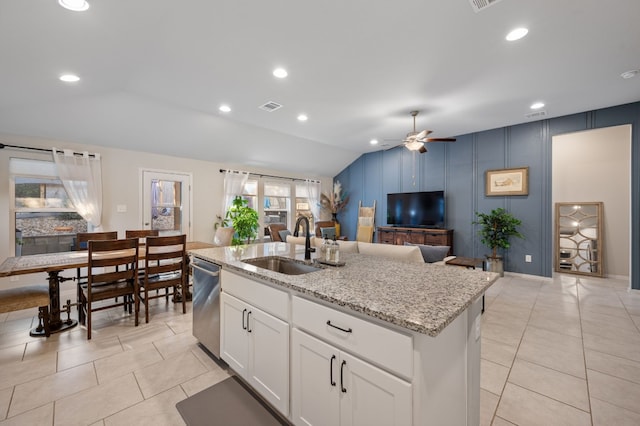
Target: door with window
166, 202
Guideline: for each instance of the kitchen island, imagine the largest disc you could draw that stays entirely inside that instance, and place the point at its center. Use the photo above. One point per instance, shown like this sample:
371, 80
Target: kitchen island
376, 341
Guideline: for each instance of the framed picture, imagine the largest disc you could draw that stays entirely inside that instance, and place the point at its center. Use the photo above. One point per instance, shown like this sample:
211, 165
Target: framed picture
507, 182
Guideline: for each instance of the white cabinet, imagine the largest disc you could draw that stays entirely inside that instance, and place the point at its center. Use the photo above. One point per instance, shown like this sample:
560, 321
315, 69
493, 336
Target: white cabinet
255, 344
331, 387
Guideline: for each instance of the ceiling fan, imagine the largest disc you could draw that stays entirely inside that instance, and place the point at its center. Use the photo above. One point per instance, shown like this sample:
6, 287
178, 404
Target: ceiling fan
415, 141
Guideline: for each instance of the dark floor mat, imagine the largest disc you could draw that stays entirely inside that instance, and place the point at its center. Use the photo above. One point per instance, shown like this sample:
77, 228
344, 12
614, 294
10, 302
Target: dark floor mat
227, 403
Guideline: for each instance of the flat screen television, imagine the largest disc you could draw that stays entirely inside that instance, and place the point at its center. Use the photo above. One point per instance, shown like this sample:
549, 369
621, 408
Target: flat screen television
416, 209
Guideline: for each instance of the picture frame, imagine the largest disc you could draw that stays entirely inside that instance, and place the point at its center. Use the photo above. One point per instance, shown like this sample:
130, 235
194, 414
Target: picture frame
500, 182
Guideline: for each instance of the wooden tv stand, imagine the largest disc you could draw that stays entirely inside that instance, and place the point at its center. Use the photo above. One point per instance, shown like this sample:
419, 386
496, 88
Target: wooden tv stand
430, 236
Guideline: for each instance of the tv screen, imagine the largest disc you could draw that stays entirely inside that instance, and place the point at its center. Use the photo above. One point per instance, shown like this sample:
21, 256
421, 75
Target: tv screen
416, 209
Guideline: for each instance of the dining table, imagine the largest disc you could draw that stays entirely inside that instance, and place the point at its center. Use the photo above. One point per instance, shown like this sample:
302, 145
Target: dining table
55, 263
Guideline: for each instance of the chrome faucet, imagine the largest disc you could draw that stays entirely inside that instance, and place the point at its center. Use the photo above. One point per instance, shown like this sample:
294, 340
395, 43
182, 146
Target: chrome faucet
307, 238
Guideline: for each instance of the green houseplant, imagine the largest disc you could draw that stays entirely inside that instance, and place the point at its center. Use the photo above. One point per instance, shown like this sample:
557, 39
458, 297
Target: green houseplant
495, 230
244, 220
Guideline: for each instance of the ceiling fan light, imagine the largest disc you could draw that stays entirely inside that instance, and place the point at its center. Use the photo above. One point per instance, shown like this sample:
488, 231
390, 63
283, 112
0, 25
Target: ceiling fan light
414, 145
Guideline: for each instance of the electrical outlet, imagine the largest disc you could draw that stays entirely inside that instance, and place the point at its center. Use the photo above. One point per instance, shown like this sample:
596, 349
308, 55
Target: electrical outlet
527, 258
121, 208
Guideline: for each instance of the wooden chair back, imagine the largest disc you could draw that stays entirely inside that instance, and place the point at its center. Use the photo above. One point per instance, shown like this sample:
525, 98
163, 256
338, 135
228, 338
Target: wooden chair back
112, 272
141, 234
274, 231
165, 266
323, 224
82, 238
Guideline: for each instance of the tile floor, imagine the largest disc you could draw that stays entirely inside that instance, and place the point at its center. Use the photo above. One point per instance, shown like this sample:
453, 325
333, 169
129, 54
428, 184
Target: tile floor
554, 352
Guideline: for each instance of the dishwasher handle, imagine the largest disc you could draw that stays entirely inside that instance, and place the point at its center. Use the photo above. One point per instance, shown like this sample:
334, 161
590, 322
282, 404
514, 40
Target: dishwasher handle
206, 271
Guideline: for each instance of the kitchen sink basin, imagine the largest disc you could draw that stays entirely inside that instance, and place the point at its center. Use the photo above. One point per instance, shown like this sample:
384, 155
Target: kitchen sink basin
282, 265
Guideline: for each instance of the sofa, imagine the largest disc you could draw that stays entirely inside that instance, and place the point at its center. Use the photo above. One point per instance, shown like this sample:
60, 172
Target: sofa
408, 253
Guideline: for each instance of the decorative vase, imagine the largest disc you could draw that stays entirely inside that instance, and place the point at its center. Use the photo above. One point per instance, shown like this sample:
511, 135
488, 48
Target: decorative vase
494, 264
334, 218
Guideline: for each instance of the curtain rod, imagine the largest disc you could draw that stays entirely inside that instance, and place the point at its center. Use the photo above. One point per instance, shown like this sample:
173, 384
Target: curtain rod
30, 148
271, 176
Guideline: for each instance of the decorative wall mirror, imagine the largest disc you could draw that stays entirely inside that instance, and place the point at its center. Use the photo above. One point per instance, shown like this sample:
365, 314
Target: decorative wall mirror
579, 248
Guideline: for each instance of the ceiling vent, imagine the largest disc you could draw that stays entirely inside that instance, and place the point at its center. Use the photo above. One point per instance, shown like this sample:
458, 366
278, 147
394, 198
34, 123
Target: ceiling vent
537, 114
270, 106
479, 5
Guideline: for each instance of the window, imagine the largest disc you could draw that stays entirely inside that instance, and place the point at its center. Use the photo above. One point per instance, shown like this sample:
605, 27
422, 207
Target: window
303, 204
277, 204
44, 218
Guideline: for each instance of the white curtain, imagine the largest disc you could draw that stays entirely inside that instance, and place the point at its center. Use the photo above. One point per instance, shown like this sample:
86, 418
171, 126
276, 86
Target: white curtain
313, 187
233, 185
81, 176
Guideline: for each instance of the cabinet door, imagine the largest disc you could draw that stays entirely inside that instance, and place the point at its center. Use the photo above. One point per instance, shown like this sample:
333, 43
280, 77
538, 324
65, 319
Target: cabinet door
372, 396
315, 393
234, 338
269, 358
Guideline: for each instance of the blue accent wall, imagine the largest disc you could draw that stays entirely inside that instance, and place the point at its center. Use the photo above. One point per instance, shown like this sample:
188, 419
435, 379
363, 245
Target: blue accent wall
458, 168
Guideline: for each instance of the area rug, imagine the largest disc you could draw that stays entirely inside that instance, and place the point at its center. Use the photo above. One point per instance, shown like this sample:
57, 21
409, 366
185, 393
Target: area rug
227, 403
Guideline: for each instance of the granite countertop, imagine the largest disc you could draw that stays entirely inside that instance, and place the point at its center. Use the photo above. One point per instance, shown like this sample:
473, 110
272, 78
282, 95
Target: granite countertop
421, 297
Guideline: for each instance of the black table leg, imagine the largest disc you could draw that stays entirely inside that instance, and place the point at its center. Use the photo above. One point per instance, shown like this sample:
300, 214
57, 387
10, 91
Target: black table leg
55, 323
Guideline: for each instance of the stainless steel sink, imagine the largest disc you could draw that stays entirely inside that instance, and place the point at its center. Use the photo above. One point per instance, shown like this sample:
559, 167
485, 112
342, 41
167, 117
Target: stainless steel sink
282, 265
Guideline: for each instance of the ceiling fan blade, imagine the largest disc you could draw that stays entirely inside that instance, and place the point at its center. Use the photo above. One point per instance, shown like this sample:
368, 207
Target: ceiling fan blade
423, 134
441, 140
423, 149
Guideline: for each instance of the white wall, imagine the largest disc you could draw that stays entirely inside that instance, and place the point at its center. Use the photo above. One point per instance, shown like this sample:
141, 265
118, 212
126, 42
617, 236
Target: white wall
121, 185
595, 165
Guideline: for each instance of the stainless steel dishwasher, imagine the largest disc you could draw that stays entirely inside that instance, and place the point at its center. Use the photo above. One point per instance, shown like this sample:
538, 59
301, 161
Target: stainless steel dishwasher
206, 304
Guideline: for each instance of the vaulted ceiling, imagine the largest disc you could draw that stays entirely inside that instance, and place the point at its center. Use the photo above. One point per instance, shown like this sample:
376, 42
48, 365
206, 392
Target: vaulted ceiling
154, 72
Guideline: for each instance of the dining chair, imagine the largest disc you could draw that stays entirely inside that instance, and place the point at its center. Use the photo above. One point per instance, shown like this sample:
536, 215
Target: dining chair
165, 266
112, 272
323, 224
81, 244
141, 234
274, 231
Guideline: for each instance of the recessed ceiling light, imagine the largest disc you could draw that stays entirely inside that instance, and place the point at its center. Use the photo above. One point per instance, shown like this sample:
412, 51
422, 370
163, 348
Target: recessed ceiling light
303, 117
225, 108
629, 74
75, 5
537, 105
280, 73
69, 78
373, 141
517, 34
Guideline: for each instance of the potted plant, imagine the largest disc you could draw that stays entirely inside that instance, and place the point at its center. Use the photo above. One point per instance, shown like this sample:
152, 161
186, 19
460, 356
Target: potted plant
244, 220
495, 230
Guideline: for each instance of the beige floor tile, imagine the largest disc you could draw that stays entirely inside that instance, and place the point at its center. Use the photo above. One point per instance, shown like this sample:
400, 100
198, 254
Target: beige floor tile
206, 359
38, 416
166, 374
173, 345
498, 352
629, 350
611, 331
558, 322
498, 421
204, 381
18, 372
527, 408
612, 365
605, 414
5, 400
98, 423
98, 402
11, 354
126, 362
11, 326
182, 324
636, 320
553, 350
502, 332
620, 322
159, 410
50, 388
57, 342
93, 350
493, 376
613, 390
17, 337
145, 334
554, 384
488, 405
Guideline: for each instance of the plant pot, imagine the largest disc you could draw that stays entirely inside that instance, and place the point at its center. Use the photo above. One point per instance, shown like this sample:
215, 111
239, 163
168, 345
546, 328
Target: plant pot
494, 264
